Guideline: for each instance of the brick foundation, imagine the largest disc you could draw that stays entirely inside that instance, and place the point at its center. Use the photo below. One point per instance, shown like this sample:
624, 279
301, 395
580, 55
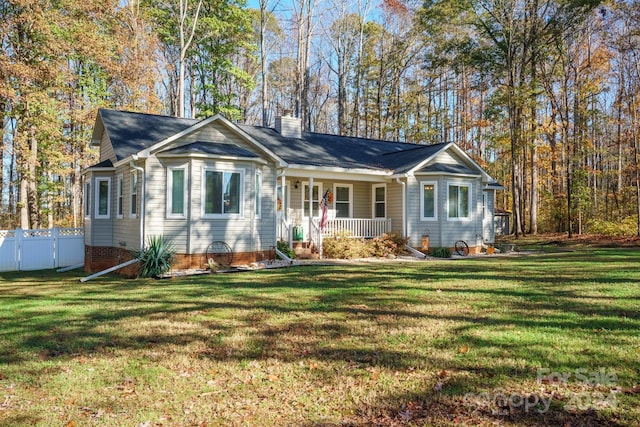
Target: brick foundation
99, 258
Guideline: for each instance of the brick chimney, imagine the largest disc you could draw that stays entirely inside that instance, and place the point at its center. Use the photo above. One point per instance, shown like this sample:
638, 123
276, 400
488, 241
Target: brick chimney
289, 126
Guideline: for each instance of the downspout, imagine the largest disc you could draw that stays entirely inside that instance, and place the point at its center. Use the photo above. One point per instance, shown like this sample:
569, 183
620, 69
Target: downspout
138, 168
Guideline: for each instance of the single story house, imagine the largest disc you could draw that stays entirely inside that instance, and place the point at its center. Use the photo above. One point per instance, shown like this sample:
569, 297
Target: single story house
197, 181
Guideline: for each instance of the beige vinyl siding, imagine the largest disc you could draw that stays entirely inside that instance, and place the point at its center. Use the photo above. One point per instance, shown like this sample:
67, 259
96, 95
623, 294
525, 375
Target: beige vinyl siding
157, 224
488, 223
102, 229
361, 199
106, 149
457, 229
126, 230
394, 206
415, 227
265, 226
447, 158
243, 233
88, 198
361, 196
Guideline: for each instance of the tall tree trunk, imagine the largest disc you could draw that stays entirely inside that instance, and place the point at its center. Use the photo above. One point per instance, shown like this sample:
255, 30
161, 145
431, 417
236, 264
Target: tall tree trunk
32, 192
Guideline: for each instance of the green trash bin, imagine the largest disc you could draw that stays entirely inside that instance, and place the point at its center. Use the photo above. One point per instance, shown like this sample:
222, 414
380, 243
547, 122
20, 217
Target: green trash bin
298, 233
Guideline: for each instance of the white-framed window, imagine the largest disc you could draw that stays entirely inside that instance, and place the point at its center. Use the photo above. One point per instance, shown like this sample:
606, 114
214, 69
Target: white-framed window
484, 205
459, 201
379, 197
428, 200
177, 192
103, 198
222, 193
120, 196
342, 195
258, 193
87, 199
133, 210
317, 194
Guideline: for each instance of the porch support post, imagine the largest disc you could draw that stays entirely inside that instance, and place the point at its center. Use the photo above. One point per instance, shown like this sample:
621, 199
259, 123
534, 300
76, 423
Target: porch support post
310, 206
404, 207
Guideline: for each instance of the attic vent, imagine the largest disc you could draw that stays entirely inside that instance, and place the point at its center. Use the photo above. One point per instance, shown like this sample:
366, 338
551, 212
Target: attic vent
289, 126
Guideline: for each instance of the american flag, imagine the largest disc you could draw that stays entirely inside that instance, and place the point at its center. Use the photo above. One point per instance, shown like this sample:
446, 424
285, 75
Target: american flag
324, 203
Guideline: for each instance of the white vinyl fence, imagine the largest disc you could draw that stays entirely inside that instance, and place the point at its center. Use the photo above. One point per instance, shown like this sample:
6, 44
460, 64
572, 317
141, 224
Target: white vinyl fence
41, 249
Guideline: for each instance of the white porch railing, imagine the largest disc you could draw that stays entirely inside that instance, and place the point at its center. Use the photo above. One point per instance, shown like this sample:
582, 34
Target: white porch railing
358, 227
315, 235
285, 231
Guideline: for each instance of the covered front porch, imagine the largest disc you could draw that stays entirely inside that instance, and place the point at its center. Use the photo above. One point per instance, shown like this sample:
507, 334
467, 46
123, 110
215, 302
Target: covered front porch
365, 208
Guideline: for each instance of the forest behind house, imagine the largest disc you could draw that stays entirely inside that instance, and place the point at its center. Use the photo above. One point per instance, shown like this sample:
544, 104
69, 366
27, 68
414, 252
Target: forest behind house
543, 94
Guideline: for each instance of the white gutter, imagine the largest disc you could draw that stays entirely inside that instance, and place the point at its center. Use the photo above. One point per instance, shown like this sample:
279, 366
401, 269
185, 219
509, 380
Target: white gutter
404, 206
138, 168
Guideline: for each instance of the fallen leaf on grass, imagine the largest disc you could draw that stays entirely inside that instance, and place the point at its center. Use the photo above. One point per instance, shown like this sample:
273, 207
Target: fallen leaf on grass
70, 424
464, 349
272, 378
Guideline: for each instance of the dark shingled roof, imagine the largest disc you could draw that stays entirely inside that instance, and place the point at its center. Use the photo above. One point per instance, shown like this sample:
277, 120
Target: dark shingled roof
316, 149
103, 164
203, 147
130, 133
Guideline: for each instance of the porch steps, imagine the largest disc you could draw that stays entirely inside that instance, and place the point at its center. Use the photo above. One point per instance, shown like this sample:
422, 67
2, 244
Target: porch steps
304, 250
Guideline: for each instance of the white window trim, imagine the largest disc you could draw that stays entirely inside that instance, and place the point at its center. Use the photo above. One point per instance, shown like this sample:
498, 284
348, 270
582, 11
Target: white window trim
97, 197
335, 198
435, 201
170, 170
374, 201
120, 197
484, 206
306, 202
258, 194
134, 191
469, 210
87, 199
204, 192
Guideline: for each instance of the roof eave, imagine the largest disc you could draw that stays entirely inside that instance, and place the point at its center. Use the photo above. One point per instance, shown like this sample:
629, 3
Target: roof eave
365, 171
98, 169
212, 156
469, 175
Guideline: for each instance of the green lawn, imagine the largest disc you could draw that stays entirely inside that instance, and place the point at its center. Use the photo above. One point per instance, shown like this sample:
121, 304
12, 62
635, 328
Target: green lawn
427, 343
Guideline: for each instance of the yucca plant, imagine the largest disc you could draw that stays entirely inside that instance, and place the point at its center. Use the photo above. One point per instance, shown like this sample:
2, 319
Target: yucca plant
156, 257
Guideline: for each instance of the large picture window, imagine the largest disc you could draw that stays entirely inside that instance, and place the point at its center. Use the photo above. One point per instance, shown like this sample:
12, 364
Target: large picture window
176, 192
102, 198
222, 192
459, 201
428, 201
